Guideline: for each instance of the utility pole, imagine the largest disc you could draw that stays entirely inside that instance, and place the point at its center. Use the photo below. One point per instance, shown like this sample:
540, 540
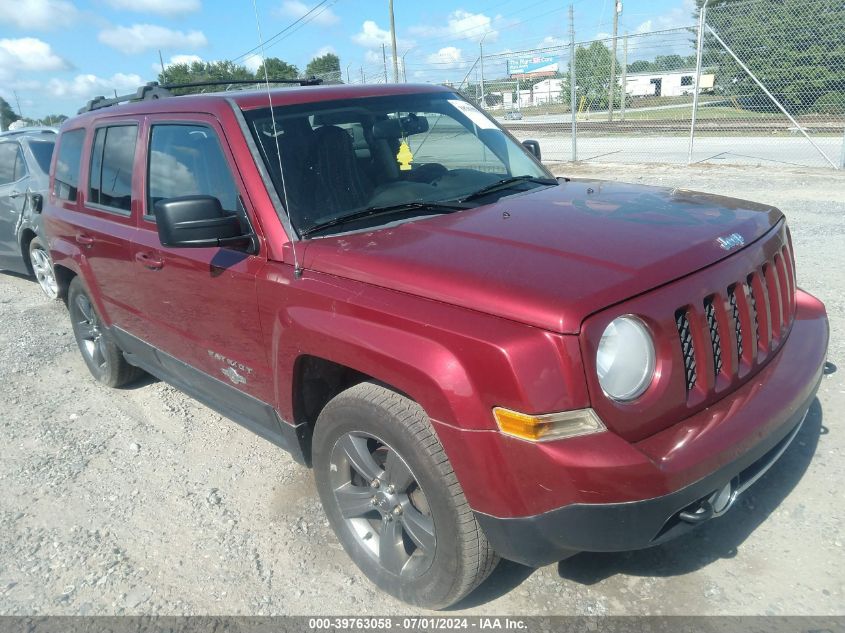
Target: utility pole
18, 101
617, 9
393, 41
384, 57
363, 79
161, 61
624, 76
573, 83
481, 59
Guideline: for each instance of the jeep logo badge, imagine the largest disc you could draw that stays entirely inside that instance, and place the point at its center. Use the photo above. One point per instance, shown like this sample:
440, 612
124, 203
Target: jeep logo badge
729, 242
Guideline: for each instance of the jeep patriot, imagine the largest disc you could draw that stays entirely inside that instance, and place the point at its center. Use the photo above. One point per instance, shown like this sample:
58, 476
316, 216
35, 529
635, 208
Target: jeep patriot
478, 360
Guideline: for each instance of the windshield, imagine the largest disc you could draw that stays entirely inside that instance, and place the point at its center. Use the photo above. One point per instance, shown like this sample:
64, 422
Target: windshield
340, 158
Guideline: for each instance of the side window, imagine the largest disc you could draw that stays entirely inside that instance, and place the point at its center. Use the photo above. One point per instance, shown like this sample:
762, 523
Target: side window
67, 165
187, 160
112, 162
20, 165
8, 158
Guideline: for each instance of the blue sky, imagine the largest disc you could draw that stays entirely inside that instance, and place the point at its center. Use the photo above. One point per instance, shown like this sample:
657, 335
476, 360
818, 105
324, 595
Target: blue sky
56, 54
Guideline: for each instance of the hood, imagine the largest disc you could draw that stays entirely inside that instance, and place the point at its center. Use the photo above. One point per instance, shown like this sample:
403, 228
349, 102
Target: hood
552, 256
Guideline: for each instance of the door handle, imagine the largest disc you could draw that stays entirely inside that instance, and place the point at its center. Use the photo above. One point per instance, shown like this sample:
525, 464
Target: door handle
85, 240
16, 194
149, 261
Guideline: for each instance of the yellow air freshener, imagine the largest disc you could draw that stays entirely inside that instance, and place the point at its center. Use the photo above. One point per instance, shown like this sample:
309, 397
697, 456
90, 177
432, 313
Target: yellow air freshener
405, 157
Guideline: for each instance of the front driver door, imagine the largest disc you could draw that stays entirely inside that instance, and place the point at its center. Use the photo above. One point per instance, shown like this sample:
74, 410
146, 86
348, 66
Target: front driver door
199, 305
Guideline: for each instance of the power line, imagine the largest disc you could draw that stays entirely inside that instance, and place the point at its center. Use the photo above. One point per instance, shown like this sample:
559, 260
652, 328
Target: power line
284, 30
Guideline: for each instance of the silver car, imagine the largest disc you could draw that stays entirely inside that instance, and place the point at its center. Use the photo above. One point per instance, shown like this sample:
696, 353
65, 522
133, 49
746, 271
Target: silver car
25, 157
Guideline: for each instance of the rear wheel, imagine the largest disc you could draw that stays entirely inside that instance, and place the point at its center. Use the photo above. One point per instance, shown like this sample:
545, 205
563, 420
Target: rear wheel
393, 500
102, 355
42, 268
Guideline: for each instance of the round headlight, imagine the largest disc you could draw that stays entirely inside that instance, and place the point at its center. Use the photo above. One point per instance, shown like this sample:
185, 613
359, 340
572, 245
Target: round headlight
625, 359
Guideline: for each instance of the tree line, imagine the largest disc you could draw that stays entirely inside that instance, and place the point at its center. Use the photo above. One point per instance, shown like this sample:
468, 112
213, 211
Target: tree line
325, 67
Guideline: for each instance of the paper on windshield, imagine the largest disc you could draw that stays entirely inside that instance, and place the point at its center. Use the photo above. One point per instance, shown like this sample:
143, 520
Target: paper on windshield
473, 115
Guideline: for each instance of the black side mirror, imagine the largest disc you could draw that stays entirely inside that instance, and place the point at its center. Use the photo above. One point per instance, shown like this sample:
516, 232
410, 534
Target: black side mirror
36, 202
198, 222
534, 148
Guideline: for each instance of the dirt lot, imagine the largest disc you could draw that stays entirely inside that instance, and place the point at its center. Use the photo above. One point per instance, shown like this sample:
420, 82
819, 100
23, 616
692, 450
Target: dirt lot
141, 501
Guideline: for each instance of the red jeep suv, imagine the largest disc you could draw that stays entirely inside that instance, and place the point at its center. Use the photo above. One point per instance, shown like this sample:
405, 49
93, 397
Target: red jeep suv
477, 358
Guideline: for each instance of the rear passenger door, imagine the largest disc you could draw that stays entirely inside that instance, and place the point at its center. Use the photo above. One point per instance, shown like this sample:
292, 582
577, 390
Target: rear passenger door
199, 305
12, 199
104, 224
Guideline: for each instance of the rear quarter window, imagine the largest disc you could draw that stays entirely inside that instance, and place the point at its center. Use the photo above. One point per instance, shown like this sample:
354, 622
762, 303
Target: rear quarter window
66, 180
43, 152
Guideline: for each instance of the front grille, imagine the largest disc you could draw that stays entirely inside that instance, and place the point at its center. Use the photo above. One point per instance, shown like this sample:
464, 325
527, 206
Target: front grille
715, 339
742, 324
685, 333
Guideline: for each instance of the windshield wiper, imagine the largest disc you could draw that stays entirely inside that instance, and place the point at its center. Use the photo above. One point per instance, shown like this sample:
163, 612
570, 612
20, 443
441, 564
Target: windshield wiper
429, 207
505, 184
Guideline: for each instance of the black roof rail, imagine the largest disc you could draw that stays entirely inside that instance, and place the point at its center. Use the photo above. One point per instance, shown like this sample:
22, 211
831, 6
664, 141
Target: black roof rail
154, 90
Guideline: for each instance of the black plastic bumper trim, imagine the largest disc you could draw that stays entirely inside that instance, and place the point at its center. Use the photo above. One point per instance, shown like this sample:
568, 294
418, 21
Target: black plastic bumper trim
613, 527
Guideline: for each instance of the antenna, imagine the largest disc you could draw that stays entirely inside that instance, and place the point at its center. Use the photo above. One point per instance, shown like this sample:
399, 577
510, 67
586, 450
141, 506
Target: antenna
297, 271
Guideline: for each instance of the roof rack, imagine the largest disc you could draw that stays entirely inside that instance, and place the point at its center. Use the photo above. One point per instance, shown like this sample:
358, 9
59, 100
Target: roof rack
154, 90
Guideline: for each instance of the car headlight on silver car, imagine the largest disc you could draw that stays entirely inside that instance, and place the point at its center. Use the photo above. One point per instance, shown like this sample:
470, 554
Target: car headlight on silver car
625, 359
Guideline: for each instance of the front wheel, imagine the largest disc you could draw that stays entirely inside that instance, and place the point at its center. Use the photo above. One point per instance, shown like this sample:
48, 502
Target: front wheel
42, 268
393, 500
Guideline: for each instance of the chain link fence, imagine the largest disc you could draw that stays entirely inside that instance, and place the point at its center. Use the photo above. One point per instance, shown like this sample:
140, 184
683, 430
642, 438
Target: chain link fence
754, 82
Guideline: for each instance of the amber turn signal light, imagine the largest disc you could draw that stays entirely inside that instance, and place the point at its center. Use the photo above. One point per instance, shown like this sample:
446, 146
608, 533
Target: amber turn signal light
551, 426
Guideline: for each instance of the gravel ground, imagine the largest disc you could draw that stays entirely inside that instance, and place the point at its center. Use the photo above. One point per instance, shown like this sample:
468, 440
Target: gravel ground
142, 501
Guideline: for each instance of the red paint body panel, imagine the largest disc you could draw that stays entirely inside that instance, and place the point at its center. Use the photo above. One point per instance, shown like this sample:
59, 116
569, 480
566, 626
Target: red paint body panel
506, 477
474, 310
562, 254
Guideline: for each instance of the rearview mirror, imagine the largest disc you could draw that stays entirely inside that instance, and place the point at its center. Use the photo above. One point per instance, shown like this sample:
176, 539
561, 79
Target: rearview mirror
534, 148
198, 222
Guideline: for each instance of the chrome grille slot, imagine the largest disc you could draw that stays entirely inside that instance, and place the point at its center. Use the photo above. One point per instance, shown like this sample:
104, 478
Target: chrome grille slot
737, 324
715, 339
685, 336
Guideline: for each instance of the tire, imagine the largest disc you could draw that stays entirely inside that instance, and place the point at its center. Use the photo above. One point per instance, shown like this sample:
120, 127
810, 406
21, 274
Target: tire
42, 268
104, 358
439, 553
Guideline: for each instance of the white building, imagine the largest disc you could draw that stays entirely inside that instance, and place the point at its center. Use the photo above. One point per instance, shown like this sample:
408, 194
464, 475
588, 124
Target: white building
673, 83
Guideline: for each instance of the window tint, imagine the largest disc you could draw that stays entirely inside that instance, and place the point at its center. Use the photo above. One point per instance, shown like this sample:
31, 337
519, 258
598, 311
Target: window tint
20, 165
187, 160
43, 152
67, 165
112, 161
8, 159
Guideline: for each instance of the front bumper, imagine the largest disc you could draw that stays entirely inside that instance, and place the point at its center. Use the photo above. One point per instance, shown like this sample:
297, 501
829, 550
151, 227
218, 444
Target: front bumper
770, 409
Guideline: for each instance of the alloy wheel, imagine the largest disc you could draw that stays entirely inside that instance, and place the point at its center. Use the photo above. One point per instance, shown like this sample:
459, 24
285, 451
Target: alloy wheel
43, 269
383, 504
90, 334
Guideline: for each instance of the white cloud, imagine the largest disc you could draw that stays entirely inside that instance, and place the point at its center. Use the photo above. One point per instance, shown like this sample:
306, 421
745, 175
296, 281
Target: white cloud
177, 59
142, 37
253, 62
325, 50
449, 56
297, 9
89, 86
38, 14
676, 17
27, 54
162, 7
371, 35
462, 24
373, 57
